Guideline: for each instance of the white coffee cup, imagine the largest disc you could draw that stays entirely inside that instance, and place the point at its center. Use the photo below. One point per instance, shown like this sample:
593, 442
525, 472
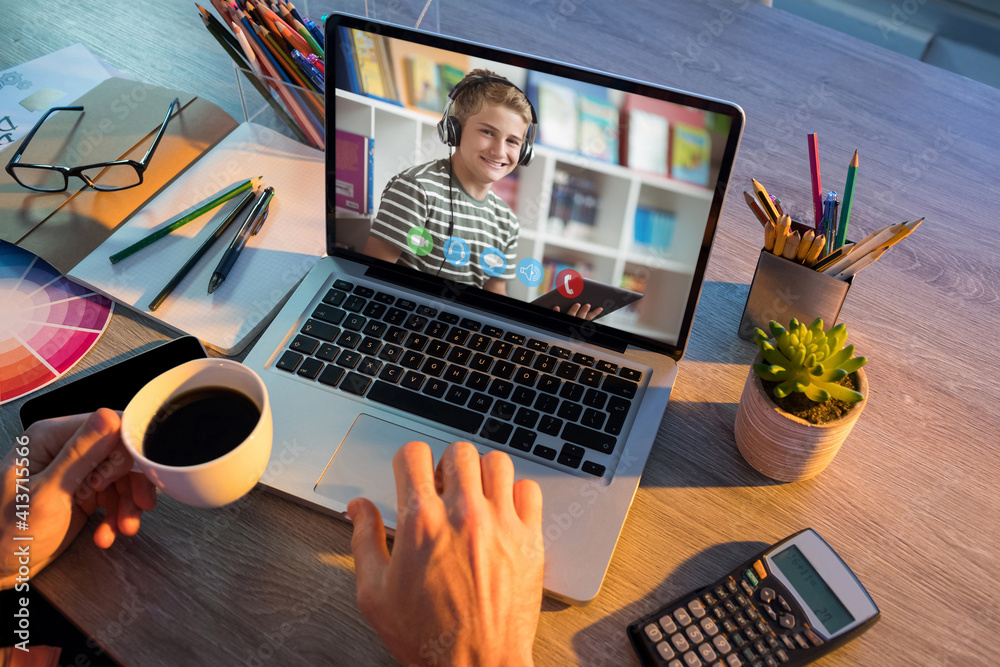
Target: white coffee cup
219, 481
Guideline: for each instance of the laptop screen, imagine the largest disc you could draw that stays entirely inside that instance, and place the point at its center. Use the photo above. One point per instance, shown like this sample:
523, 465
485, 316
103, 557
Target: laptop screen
587, 200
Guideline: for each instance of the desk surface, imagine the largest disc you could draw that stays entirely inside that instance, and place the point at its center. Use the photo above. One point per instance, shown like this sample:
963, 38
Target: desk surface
910, 501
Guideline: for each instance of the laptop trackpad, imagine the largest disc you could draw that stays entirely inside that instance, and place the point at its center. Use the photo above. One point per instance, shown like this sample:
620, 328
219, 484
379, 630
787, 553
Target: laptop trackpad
362, 465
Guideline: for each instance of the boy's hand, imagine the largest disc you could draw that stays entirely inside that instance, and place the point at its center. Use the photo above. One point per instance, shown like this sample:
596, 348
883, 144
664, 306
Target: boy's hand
582, 311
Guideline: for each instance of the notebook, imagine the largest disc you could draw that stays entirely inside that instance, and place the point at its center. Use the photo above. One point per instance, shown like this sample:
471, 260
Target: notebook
366, 354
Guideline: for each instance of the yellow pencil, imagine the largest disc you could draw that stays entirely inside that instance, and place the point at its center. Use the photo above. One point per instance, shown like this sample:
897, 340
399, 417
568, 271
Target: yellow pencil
765, 200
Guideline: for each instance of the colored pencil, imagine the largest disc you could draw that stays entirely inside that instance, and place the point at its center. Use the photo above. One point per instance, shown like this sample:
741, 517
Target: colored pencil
752, 203
184, 219
817, 188
845, 209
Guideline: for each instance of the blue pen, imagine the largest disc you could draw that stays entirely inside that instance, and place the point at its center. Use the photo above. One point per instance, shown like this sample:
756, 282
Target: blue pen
310, 71
829, 221
314, 31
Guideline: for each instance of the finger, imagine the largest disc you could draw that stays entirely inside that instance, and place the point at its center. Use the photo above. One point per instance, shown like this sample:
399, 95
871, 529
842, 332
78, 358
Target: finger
143, 492
460, 470
92, 442
573, 310
114, 467
584, 309
371, 555
47, 437
107, 530
498, 478
528, 503
128, 512
555, 308
413, 465
594, 313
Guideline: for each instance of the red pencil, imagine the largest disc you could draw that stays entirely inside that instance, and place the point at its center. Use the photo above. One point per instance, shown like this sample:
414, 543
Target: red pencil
817, 188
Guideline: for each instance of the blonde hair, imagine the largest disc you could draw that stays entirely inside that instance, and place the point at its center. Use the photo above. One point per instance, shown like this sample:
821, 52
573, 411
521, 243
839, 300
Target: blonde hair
480, 95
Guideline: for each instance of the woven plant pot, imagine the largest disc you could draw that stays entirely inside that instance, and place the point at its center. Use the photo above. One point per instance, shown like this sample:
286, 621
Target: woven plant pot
785, 447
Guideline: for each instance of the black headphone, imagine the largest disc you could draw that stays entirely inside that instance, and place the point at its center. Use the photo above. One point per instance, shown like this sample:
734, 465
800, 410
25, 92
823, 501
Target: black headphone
450, 128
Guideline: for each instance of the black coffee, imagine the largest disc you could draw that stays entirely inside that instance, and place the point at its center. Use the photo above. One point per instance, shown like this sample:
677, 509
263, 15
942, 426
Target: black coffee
199, 426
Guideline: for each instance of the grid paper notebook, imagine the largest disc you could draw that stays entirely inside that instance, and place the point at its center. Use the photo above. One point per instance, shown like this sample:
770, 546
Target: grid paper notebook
271, 264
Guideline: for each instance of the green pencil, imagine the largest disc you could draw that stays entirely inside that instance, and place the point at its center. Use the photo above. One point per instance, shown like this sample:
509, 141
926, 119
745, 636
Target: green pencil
180, 222
845, 207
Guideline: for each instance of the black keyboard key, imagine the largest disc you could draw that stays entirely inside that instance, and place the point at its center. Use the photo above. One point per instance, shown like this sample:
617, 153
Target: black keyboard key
583, 359
289, 361
375, 328
545, 452
571, 391
546, 403
593, 418
537, 345
438, 348
416, 341
370, 346
607, 367
595, 398
567, 370
448, 318
435, 387
437, 329
504, 369
478, 381
374, 309
395, 335
343, 284
569, 410
348, 359
366, 292
523, 439
501, 388
432, 367
481, 362
525, 376
480, 402
630, 374
369, 365
427, 311
415, 323
405, 304
471, 325
328, 352
492, 331
349, 339
395, 316
619, 387
590, 377
457, 336
544, 363
593, 468
391, 373
500, 349
570, 456
527, 418
497, 431
411, 359
549, 384
335, 297
426, 406
550, 425
515, 338
413, 381
457, 395
523, 395
560, 352
331, 375
387, 299
390, 353
503, 410
479, 342
320, 330
589, 438
355, 322
522, 356
616, 421
355, 303
455, 374
329, 314
310, 368
355, 383
304, 344
459, 355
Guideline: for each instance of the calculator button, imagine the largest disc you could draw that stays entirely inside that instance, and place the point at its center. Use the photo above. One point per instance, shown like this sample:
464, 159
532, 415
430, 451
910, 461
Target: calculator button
709, 599
694, 634
749, 654
749, 634
691, 659
770, 612
769, 661
782, 656
728, 626
653, 632
787, 621
665, 651
697, 608
766, 594
760, 646
813, 637
679, 642
709, 626
731, 586
668, 625
675, 663
721, 645
747, 588
730, 607
784, 604
801, 641
758, 567
682, 617
718, 613
787, 641
741, 601
752, 613
751, 578
707, 653
742, 620
772, 642
733, 660
762, 628
720, 592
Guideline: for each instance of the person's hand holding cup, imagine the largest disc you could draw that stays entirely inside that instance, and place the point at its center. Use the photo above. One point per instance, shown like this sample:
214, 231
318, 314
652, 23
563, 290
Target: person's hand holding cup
201, 432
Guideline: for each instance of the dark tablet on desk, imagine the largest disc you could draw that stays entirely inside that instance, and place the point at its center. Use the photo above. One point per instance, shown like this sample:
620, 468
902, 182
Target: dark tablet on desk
112, 387
608, 297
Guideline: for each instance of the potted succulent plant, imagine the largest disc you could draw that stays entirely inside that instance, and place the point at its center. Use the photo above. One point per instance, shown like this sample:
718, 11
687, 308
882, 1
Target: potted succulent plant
801, 399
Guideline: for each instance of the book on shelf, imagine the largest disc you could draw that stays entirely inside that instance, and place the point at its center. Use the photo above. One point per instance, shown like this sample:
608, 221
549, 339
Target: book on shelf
653, 230
636, 281
355, 169
645, 125
690, 154
423, 83
557, 116
448, 76
572, 205
598, 129
369, 66
204, 152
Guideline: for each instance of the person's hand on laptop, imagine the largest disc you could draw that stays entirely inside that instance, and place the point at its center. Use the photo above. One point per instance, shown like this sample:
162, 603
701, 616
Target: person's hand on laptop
463, 585
74, 466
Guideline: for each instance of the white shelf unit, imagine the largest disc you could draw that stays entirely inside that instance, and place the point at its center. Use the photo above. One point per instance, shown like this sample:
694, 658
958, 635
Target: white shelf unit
404, 138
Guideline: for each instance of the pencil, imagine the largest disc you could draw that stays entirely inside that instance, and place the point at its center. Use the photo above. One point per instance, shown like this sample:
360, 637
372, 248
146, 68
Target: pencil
769, 234
765, 200
752, 203
791, 248
823, 262
886, 238
179, 276
805, 246
817, 188
814, 250
183, 220
845, 208
864, 262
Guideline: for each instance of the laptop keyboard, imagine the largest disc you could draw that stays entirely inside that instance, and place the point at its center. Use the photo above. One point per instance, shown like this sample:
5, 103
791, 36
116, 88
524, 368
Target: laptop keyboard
542, 401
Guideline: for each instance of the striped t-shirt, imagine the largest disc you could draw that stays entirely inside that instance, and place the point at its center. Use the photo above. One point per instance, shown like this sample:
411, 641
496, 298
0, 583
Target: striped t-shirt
419, 197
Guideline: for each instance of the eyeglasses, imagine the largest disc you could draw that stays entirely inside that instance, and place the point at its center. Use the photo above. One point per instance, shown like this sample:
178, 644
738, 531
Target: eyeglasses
103, 176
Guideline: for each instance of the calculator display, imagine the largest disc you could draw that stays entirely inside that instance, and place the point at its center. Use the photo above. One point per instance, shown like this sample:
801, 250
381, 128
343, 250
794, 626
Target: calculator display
813, 589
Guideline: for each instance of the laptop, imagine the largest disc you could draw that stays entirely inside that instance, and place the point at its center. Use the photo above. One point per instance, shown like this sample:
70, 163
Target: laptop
624, 187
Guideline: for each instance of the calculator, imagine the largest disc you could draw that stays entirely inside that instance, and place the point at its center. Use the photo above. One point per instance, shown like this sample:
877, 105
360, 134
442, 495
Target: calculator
795, 601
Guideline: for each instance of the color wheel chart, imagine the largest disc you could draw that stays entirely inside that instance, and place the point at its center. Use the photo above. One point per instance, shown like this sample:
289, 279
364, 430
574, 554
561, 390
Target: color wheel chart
47, 322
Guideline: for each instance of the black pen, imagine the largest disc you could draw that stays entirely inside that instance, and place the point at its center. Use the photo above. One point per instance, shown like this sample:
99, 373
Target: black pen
250, 228
175, 281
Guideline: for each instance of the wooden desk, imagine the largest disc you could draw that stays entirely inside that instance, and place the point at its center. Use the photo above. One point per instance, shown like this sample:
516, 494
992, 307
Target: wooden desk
910, 501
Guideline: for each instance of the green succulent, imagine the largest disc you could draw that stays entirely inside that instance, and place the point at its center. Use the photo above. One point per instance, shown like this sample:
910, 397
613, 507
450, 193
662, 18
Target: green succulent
808, 360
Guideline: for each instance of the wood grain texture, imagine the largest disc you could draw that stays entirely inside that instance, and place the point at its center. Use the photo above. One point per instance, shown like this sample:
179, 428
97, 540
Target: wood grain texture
910, 501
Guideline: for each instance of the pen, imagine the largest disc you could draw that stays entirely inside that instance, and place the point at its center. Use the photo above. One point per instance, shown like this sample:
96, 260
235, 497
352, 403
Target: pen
250, 228
828, 228
183, 220
845, 213
309, 70
179, 276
